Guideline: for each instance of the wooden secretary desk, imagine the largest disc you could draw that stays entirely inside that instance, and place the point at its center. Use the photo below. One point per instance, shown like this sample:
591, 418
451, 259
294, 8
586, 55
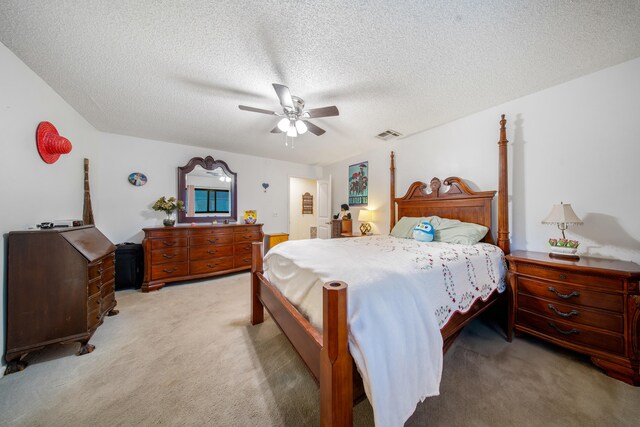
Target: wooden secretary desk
60, 285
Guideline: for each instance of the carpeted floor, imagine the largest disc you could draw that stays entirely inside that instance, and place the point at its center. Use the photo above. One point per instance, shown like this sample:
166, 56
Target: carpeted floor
187, 356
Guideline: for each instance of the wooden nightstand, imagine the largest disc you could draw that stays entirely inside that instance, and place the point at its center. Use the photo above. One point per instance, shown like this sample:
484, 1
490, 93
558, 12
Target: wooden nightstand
591, 306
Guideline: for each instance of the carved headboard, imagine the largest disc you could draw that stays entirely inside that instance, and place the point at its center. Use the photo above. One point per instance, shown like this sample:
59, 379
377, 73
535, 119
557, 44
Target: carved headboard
459, 202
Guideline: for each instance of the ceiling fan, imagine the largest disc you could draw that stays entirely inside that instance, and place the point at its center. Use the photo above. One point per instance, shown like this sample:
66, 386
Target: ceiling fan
294, 117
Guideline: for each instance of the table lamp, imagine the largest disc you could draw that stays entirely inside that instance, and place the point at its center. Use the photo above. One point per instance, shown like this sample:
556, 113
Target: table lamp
562, 215
365, 216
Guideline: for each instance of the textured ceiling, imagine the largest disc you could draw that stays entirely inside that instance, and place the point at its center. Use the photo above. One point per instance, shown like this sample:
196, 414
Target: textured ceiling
177, 70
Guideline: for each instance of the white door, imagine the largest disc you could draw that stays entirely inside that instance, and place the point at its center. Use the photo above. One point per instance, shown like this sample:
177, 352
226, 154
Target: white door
324, 208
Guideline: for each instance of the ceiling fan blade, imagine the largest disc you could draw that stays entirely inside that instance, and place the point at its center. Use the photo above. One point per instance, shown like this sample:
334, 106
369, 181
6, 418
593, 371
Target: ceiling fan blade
321, 112
284, 95
257, 110
313, 128
276, 130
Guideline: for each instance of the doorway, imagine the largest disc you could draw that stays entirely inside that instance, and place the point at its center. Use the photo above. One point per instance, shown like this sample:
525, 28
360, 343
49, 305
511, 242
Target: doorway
303, 214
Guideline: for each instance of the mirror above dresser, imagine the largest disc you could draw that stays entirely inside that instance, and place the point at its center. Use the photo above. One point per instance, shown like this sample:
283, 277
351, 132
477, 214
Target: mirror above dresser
209, 190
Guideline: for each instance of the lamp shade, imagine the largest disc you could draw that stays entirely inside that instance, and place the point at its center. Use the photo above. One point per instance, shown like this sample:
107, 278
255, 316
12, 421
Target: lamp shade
562, 214
365, 215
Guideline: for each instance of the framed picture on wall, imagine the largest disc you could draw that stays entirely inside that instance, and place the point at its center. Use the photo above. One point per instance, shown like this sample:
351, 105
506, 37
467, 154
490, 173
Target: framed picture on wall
359, 184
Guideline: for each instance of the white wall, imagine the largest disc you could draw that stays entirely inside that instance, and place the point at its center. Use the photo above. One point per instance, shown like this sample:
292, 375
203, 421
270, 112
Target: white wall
576, 142
299, 224
33, 191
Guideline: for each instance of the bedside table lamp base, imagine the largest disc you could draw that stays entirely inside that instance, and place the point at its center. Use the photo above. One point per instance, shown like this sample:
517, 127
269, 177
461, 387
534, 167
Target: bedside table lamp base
365, 228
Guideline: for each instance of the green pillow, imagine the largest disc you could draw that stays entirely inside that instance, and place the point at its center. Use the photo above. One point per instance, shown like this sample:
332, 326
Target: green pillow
404, 228
454, 231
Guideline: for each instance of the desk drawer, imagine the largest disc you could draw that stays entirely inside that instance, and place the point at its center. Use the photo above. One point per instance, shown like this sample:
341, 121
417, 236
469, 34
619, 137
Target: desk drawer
565, 276
247, 237
217, 239
210, 252
169, 242
169, 270
574, 313
163, 256
571, 332
570, 294
213, 265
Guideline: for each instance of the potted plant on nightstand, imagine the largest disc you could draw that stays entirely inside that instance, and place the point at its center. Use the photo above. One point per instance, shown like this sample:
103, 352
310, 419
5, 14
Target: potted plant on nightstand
168, 206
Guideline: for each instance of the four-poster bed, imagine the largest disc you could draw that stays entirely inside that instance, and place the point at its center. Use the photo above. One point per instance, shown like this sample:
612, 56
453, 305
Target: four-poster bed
326, 353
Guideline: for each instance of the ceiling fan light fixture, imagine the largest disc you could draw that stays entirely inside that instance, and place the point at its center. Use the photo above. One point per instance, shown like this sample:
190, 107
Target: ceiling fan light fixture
283, 124
291, 132
301, 127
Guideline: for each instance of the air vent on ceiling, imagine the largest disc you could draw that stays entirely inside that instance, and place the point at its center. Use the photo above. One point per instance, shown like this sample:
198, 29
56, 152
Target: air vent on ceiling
388, 134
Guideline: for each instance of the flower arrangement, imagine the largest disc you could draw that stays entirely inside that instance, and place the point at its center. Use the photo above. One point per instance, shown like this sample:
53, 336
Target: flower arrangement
168, 206
564, 243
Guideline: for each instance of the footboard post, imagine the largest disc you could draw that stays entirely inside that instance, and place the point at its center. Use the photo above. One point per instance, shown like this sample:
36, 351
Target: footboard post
257, 309
336, 380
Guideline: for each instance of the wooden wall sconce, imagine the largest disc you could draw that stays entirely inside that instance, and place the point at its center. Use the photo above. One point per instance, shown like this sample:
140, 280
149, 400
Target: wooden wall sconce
50, 144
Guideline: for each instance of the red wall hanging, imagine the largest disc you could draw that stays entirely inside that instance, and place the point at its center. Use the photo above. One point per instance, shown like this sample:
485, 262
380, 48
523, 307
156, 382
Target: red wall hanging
50, 144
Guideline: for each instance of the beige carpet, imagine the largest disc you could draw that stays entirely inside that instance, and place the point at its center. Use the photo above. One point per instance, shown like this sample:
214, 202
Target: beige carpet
186, 355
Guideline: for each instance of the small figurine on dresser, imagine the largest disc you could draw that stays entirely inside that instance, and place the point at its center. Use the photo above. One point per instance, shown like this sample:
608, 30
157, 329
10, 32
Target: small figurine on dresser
344, 212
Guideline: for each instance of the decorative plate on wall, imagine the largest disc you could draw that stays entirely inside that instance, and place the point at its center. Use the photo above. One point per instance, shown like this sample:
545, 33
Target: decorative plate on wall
138, 179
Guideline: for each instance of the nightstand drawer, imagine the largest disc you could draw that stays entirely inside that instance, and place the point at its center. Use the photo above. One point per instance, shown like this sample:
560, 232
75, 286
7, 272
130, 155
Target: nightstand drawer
571, 332
574, 313
570, 294
566, 276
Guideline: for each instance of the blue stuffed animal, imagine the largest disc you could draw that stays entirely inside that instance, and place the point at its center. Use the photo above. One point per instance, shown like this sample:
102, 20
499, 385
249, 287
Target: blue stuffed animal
423, 232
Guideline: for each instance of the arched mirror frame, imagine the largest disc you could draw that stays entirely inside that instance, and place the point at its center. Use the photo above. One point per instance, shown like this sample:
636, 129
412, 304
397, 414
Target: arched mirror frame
207, 163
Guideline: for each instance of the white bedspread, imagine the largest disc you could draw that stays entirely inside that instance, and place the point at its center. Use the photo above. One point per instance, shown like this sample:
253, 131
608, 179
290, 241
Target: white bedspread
400, 293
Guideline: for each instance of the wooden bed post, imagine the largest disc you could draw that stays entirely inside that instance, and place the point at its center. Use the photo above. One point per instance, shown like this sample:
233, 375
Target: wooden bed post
336, 364
392, 192
257, 309
503, 193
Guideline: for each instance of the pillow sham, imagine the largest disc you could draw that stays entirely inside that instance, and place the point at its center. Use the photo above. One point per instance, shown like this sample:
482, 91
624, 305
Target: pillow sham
454, 231
404, 228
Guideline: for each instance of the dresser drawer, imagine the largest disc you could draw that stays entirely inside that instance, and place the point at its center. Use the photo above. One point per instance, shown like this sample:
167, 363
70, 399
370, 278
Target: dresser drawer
169, 242
570, 294
163, 256
109, 261
247, 229
107, 288
211, 231
574, 313
246, 236
212, 265
242, 260
210, 252
108, 274
175, 233
565, 276
571, 332
243, 248
169, 270
95, 270
108, 302
217, 239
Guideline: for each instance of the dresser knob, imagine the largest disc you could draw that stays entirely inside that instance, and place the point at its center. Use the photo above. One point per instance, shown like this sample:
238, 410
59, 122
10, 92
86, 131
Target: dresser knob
169, 243
213, 265
169, 256
563, 276
212, 240
564, 296
562, 314
166, 270
211, 252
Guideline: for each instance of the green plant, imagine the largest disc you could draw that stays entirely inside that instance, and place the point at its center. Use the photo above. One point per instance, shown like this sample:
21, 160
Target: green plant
168, 205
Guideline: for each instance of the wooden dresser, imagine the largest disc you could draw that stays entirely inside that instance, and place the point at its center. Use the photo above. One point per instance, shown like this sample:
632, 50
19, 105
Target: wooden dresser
60, 285
192, 252
341, 227
591, 306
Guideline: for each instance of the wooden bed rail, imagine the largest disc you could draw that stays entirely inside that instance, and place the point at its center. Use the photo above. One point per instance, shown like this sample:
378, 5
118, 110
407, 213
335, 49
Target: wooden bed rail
327, 356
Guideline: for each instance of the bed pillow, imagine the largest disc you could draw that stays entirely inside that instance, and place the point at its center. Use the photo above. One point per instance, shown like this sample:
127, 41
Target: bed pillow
404, 228
454, 231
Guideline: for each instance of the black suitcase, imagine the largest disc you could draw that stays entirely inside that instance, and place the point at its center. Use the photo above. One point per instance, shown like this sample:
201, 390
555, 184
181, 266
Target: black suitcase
129, 266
